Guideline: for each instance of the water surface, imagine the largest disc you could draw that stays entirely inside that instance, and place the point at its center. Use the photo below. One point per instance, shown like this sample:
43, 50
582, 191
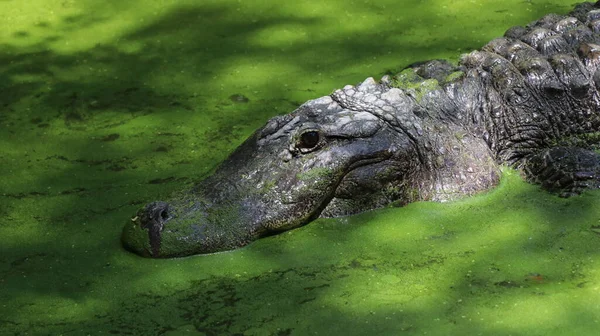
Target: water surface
106, 105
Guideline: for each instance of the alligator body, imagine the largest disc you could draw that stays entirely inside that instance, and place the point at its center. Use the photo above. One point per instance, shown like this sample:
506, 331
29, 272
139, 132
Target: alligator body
436, 131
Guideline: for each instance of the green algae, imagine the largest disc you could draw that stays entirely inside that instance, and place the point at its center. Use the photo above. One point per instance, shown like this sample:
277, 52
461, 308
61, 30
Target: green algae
586, 140
454, 76
413, 84
318, 173
108, 105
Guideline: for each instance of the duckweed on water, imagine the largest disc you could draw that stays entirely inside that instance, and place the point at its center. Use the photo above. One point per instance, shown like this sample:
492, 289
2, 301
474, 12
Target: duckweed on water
160, 74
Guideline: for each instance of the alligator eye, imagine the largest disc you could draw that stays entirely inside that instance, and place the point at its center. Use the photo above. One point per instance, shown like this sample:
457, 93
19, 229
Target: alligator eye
309, 139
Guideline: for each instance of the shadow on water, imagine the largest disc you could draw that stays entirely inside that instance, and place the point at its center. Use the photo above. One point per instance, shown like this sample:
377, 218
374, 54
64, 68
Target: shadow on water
93, 133
490, 276
441, 276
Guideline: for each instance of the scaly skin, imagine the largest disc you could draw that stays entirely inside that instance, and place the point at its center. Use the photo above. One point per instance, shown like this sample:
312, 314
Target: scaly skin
436, 131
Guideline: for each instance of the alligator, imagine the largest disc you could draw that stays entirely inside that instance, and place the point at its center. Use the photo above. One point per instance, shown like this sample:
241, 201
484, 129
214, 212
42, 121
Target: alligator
435, 131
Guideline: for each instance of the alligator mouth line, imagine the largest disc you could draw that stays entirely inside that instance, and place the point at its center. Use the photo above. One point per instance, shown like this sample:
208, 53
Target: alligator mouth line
353, 166
365, 162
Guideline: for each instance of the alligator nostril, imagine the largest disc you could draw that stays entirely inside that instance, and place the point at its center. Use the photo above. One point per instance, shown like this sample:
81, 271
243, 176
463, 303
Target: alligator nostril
153, 218
164, 214
154, 214
161, 213
158, 211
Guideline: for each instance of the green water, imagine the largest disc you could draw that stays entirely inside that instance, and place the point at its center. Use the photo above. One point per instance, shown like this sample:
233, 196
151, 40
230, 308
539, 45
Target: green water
106, 105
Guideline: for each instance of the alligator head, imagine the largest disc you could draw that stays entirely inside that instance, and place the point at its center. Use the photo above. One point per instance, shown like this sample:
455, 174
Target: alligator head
360, 148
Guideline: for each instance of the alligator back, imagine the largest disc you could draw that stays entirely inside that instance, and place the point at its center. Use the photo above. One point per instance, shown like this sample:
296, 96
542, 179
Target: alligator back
537, 85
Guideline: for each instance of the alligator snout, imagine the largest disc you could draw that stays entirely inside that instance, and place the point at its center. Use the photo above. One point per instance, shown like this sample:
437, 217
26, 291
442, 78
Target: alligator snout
188, 223
148, 224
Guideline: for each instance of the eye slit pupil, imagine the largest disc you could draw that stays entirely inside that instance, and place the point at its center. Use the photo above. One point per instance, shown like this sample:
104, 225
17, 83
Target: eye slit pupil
309, 139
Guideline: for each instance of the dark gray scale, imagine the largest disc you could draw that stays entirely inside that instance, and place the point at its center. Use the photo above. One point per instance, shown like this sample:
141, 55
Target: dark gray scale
543, 35
593, 15
579, 95
548, 91
434, 69
597, 79
477, 94
589, 53
566, 24
519, 50
536, 36
572, 74
553, 45
516, 132
514, 51
515, 32
506, 79
573, 31
544, 91
551, 98
576, 36
547, 22
468, 94
588, 100
590, 56
498, 46
582, 10
508, 48
565, 170
539, 74
594, 26
593, 22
